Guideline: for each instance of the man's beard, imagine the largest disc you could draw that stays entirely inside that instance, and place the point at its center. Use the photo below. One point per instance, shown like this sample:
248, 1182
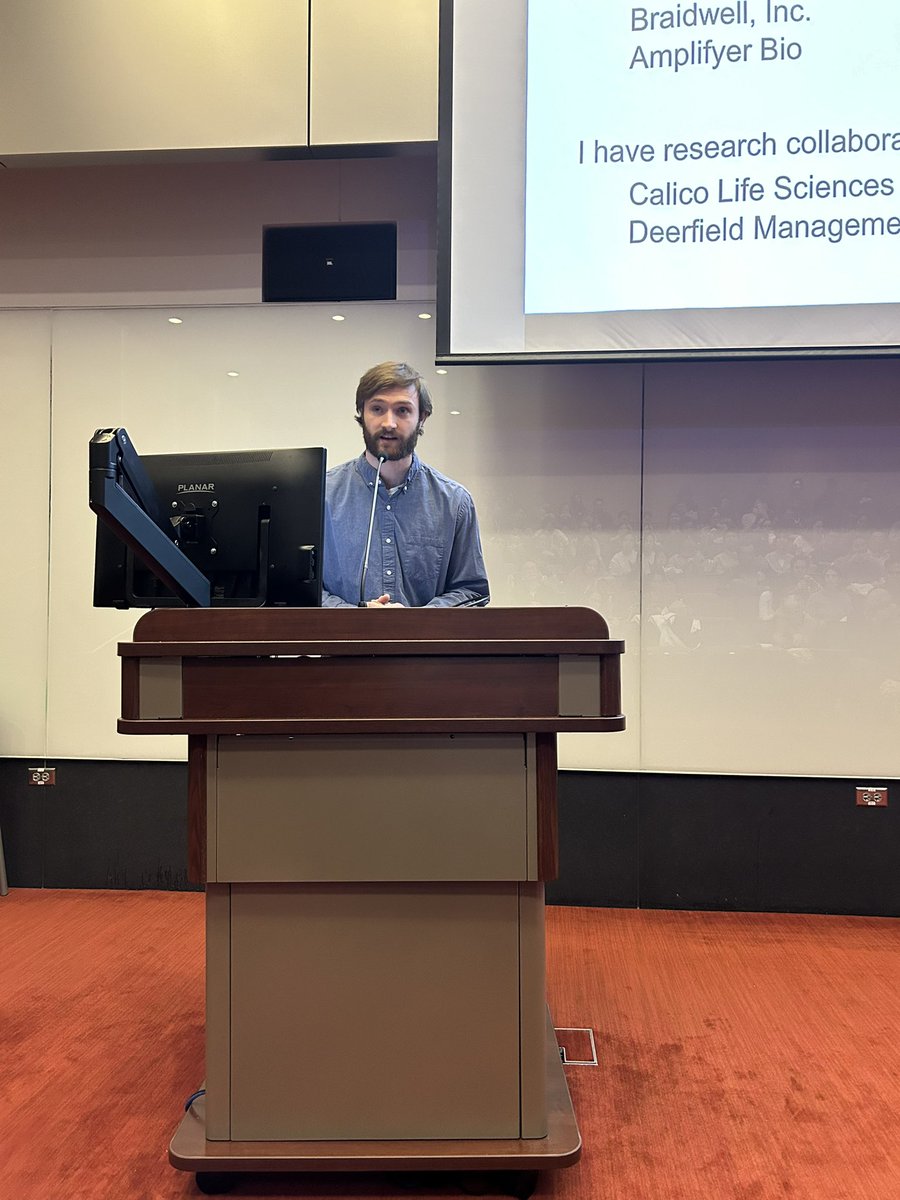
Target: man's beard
393, 450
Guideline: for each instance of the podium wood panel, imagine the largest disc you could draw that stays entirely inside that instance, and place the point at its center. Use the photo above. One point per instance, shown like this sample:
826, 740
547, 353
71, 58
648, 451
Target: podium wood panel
339, 688
198, 766
455, 627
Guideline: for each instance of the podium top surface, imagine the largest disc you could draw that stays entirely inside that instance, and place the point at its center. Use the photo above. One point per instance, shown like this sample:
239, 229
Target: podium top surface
268, 631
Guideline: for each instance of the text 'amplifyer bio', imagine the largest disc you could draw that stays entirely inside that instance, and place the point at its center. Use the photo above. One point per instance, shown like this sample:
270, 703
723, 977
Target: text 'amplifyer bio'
708, 52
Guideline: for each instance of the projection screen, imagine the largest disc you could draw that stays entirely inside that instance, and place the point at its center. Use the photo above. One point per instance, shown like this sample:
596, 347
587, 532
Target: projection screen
621, 181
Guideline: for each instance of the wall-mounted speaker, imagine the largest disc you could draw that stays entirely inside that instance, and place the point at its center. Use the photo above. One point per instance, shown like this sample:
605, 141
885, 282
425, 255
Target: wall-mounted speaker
330, 262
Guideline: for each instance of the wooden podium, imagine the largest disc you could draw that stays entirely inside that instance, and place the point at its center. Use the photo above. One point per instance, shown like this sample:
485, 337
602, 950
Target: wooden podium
373, 810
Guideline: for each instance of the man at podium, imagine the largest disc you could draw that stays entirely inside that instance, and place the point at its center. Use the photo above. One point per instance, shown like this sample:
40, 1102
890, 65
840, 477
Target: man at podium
398, 533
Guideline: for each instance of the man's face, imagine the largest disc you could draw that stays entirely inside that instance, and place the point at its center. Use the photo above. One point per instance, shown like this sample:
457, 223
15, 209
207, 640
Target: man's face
391, 423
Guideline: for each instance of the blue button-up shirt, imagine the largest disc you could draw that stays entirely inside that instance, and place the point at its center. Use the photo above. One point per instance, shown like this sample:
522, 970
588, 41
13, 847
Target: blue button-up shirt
426, 548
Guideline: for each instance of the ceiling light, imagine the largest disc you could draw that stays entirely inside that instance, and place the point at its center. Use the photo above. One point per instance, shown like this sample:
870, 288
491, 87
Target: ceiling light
424, 316
338, 317
175, 321
232, 374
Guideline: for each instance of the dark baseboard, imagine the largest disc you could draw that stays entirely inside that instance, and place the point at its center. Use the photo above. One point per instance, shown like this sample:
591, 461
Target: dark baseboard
725, 843
102, 825
626, 840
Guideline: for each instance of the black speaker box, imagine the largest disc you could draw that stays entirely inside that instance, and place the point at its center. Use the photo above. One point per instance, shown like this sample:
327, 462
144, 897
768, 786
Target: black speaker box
330, 262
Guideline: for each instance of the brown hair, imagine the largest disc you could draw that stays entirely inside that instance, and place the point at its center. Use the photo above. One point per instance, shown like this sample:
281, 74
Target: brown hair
392, 375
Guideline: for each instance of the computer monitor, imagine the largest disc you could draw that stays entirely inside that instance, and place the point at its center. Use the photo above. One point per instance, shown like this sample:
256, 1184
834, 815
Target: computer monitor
250, 521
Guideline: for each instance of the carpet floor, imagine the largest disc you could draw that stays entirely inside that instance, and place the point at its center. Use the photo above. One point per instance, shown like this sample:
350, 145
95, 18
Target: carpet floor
740, 1056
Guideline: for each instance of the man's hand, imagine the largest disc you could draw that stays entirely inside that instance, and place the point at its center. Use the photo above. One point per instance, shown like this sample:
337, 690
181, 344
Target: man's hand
383, 602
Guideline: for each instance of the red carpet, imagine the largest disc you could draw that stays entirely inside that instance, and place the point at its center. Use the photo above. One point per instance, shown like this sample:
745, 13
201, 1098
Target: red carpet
742, 1057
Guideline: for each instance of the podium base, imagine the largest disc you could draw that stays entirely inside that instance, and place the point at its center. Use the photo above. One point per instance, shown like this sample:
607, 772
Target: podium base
190, 1151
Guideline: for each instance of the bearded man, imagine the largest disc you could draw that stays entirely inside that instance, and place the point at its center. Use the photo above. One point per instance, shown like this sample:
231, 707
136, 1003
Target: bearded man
426, 547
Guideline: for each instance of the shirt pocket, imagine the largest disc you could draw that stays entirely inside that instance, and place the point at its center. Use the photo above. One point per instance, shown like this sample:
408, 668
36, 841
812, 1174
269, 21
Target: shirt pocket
422, 558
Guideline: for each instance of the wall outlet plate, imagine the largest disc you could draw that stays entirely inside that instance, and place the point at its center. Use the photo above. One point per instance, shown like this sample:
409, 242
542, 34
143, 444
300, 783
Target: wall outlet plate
42, 776
872, 796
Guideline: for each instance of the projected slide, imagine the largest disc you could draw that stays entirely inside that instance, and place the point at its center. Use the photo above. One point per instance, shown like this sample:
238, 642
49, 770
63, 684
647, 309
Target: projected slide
711, 156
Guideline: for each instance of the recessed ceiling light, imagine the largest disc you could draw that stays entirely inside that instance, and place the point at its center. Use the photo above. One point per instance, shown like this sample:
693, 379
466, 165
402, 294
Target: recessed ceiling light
441, 371
232, 374
175, 321
424, 316
338, 317
454, 412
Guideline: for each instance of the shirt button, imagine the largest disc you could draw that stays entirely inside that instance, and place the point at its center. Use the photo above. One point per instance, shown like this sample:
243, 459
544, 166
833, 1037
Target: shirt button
388, 507
389, 572
388, 540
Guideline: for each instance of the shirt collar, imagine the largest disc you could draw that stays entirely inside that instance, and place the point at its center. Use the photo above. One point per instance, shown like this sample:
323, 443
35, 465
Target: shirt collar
368, 472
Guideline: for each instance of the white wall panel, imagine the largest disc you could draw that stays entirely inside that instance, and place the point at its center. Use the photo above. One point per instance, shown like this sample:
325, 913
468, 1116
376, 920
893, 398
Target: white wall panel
100, 75
771, 608
24, 502
373, 72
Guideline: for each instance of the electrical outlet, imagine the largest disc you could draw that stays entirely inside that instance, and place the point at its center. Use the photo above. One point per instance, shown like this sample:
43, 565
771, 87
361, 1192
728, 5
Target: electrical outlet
872, 796
42, 776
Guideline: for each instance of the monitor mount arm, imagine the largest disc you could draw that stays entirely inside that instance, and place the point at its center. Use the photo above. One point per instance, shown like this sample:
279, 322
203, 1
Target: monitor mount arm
123, 497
